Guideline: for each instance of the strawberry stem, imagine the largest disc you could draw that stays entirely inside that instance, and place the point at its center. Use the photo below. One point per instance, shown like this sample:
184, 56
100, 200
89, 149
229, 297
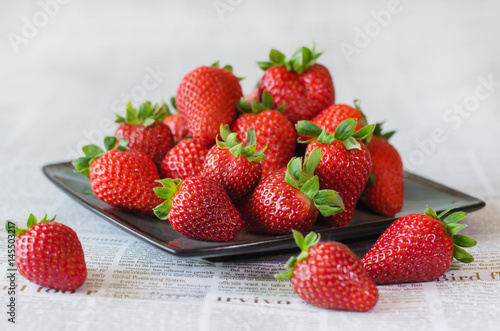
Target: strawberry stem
237, 148
166, 191
304, 244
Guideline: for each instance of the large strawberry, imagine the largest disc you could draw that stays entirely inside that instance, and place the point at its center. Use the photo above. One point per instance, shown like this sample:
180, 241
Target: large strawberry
272, 129
207, 98
236, 166
198, 208
329, 275
345, 166
289, 200
299, 84
145, 131
121, 177
49, 254
184, 160
176, 123
384, 193
418, 248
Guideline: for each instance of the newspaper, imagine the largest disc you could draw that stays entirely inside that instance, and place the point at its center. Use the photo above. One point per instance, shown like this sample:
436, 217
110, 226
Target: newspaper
132, 285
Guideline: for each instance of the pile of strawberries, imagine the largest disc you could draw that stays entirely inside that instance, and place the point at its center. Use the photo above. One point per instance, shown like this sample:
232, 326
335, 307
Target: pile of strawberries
284, 157
274, 162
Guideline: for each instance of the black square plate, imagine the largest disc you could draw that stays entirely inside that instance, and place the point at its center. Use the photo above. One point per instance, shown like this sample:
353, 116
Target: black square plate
419, 192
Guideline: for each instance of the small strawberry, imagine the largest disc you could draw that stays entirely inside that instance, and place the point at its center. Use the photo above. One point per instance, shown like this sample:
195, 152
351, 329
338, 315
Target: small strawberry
345, 166
272, 128
252, 95
301, 85
236, 166
384, 192
329, 275
176, 123
184, 160
329, 118
121, 177
207, 98
145, 131
418, 248
289, 200
49, 254
198, 208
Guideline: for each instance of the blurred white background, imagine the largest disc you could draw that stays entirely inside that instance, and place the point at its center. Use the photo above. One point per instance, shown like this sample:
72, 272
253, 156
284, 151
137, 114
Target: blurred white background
430, 69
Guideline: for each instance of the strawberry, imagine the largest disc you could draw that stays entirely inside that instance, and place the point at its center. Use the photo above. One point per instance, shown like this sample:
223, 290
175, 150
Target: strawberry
301, 85
384, 193
418, 248
329, 275
176, 123
49, 254
184, 160
289, 200
272, 128
207, 98
198, 208
329, 118
345, 166
236, 166
252, 95
145, 130
121, 177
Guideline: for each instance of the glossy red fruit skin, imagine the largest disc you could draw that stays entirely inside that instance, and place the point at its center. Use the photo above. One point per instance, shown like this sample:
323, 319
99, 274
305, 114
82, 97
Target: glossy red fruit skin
238, 176
345, 171
184, 160
304, 95
201, 209
125, 179
154, 140
415, 248
51, 255
275, 207
207, 98
177, 126
272, 129
386, 195
333, 277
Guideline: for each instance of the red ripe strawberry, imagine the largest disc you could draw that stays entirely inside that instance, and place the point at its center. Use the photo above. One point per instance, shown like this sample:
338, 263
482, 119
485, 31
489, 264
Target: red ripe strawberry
145, 130
272, 128
384, 193
176, 123
418, 248
345, 166
121, 177
301, 85
329, 118
252, 95
236, 166
207, 98
184, 160
49, 254
289, 200
198, 208
329, 275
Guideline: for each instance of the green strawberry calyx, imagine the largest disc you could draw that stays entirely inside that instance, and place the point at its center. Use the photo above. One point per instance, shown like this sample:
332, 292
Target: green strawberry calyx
146, 114
380, 133
93, 152
216, 64
312, 239
344, 132
256, 107
32, 220
237, 148
300, 61
166, 191
301, 176
452, 228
